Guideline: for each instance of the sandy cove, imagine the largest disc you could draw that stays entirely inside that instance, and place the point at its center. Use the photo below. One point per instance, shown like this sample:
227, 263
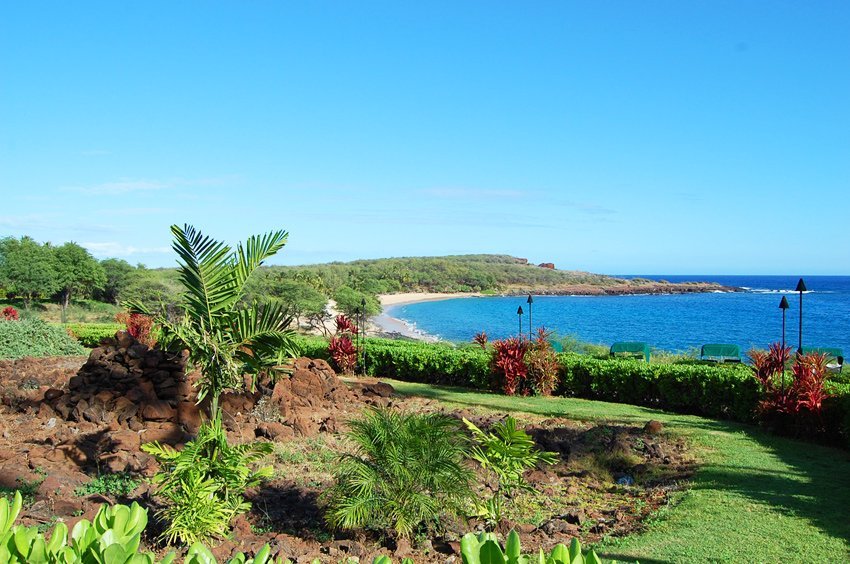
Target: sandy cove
386, 323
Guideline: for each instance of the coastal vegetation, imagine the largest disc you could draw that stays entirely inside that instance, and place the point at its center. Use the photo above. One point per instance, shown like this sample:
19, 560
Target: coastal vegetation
65, 283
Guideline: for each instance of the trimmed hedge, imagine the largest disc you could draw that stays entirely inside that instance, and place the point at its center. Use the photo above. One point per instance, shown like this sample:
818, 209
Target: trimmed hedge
33, 337
717, 391
90, 334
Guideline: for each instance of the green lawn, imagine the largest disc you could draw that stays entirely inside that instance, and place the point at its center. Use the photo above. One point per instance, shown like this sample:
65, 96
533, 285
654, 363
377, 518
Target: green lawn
755, 498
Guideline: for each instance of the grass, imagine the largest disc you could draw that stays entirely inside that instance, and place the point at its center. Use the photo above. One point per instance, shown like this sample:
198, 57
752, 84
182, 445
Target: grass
756, 497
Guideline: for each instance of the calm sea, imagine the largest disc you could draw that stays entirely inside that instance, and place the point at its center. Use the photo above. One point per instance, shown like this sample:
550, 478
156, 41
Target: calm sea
670, 322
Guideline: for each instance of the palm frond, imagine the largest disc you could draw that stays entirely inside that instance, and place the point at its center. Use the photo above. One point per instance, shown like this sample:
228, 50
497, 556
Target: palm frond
206, 271
256, 250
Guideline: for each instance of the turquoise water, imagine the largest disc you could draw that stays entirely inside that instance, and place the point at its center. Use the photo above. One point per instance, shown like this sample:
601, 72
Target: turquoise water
670, 322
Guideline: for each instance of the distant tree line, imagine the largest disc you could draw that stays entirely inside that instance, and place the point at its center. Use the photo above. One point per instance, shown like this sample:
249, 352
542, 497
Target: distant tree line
34, 271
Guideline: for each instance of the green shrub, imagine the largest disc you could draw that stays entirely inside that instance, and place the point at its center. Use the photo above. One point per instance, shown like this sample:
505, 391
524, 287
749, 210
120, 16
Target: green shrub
33, 337
721, 392
204, 484
91, 334
408, 469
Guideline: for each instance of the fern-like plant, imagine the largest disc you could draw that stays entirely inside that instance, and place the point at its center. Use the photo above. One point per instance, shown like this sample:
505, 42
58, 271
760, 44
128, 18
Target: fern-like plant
407, 470
507, 452
204, 483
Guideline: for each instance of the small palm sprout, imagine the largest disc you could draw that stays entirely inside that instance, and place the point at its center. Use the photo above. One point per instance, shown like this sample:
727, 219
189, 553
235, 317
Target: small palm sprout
408, 469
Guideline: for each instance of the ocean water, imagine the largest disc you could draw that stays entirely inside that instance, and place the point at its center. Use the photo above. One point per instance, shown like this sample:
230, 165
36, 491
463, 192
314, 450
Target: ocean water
669, 322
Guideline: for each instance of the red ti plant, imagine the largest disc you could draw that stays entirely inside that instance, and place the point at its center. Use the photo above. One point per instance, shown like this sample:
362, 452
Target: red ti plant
10, 314
481, 339
509, 363
345, 325
344, 353
769, 370
809, 374
341, 348
542, 364
802, 397
139, 327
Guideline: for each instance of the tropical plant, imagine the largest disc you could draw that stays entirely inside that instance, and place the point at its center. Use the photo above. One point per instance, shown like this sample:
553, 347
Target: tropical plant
407, 470
204, 484
139, 327
542, 365
480, 339
113, 536
507, 452
341, 348
225, 339
509, 363
484, 548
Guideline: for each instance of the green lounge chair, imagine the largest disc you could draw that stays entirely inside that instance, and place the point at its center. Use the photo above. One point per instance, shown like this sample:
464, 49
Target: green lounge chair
633, 349
835, 356
720, 352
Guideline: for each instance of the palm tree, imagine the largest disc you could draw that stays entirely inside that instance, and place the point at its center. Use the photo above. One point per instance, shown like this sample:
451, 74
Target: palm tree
225, 337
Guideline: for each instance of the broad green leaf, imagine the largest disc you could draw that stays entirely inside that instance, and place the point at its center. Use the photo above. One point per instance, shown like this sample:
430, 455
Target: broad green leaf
491, 553
469, 549
561, 555
512, 547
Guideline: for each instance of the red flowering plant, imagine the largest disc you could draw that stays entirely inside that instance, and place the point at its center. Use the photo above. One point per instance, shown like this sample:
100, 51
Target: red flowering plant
10, 314
480, 339
341, 348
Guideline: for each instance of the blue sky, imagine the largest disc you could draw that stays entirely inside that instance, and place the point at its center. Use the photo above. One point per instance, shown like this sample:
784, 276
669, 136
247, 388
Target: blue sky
616, 137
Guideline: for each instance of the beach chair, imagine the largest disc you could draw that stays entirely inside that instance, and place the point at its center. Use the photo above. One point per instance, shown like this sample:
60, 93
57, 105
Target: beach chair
720, 352
834, 360
634, 349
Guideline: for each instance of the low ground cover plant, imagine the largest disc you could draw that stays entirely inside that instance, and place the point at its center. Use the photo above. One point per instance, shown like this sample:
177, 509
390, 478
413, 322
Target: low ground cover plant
33, 337
91, 334
484, 548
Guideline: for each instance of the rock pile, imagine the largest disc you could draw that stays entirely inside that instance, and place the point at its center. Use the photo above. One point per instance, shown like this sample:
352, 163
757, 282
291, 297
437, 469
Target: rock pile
125, 382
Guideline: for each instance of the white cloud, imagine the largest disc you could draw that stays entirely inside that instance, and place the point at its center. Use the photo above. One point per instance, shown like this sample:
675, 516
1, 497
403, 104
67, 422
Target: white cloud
131, 185
115, 249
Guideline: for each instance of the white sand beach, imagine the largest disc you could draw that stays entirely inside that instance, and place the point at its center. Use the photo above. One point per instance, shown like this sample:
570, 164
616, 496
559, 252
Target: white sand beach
386, 323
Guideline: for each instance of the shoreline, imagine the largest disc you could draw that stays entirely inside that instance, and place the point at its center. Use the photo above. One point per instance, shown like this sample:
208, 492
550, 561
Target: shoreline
386, 323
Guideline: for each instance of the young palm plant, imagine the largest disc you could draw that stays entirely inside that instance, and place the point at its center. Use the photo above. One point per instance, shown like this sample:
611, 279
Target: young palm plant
225, 338
407, 471
204, 484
